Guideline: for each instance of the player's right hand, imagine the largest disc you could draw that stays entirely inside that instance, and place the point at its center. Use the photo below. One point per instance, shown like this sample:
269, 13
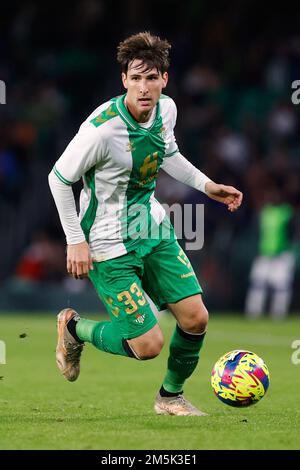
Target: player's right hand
79, 261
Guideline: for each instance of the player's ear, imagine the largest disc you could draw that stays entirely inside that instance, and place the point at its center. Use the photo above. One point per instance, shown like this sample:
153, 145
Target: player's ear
165, 78
124, 80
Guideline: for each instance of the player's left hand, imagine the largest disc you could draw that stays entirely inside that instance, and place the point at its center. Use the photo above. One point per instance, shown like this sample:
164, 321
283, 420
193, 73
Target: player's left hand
228, 195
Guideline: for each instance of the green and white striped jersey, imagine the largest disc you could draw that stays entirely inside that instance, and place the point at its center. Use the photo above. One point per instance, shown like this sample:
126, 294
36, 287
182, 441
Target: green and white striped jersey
119, 159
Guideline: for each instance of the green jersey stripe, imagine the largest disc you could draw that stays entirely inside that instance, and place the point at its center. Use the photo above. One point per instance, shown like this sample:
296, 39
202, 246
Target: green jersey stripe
90, 214
172, 153
124, 113
148, 150
62, 179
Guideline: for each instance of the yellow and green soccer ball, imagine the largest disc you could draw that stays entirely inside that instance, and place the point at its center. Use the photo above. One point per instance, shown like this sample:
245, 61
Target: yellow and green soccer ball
240, 378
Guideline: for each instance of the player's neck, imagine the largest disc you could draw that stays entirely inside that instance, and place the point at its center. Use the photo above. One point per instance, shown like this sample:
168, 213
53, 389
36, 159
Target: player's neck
138, 116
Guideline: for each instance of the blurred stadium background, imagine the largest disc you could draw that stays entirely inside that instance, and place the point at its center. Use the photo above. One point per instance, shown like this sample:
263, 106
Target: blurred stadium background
232, 67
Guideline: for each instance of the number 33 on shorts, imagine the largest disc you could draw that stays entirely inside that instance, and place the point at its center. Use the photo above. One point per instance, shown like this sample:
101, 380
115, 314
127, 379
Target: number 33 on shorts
132, 299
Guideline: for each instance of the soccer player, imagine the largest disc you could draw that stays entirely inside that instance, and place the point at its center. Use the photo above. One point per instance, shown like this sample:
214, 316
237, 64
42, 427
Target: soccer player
123, 240
273, 268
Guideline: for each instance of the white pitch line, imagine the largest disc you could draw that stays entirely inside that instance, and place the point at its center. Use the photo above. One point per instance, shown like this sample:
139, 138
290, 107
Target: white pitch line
262, 340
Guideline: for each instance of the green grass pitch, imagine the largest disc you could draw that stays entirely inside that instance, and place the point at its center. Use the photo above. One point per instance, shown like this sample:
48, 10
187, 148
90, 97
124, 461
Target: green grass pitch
111, 404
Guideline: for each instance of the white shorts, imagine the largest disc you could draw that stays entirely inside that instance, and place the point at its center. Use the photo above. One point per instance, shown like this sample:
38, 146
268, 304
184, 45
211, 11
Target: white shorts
276, 272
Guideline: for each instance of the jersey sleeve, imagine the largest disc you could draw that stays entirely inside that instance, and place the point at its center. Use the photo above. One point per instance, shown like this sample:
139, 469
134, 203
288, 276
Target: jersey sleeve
85, 150
183, 170
171, 144
65, 203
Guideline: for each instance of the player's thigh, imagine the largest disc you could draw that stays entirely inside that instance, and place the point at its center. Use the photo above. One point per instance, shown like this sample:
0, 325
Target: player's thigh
169, 276
118, 284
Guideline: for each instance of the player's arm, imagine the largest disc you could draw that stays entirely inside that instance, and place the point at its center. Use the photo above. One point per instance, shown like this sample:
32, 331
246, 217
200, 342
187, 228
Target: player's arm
78, 253
183, 170
83, 152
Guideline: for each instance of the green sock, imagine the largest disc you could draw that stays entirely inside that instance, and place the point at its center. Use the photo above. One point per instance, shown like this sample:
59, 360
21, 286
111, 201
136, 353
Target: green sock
183, 359
104, 336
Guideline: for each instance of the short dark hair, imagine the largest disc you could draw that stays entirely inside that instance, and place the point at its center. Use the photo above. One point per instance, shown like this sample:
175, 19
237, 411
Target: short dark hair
151, 50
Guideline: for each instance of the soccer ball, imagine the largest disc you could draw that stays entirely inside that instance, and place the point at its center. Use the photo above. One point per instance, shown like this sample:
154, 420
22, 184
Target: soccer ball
240, 378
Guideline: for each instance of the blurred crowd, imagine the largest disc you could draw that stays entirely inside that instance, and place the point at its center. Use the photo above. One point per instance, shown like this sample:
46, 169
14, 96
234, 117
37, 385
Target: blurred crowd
231, 75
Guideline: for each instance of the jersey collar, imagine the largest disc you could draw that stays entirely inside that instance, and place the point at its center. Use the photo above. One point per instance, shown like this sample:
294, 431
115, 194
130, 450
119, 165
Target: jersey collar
129, 120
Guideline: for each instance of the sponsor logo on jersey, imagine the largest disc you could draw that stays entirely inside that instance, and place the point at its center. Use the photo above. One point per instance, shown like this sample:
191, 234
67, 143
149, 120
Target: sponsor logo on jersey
187, 275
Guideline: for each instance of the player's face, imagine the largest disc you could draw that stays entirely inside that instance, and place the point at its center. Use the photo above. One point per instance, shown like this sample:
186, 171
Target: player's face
144, 88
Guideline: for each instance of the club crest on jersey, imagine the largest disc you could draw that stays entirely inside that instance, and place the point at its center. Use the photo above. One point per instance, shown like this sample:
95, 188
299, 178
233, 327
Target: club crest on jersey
139, 318
163, 131
129, 147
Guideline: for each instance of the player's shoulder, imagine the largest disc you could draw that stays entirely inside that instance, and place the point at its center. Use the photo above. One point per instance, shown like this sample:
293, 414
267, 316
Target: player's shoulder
166, 101
101, 118
168, 109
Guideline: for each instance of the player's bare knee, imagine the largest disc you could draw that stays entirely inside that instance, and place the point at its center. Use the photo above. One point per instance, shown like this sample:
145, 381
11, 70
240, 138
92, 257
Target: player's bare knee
196, 322
150, 351
149, 346
153, 348
203, 319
